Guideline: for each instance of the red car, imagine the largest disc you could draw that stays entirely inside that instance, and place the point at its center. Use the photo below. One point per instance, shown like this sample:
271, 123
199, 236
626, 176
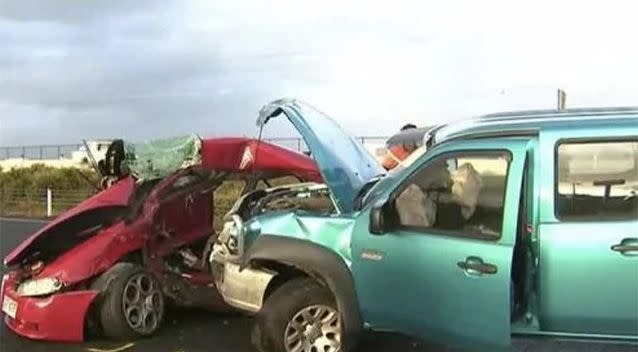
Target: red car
114, 261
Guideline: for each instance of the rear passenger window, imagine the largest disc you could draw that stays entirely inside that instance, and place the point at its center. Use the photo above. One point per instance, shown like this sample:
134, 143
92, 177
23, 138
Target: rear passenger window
597, 180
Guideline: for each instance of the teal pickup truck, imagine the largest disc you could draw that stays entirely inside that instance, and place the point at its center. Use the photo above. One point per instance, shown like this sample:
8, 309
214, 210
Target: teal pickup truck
515, 223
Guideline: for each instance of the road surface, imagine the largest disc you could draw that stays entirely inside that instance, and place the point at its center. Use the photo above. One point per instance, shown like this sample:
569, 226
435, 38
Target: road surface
196, 331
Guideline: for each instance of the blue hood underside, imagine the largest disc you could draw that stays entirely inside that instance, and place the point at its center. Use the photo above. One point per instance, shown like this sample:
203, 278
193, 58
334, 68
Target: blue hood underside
344, 162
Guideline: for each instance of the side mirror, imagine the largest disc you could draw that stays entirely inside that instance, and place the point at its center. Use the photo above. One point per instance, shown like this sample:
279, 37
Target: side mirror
378, 214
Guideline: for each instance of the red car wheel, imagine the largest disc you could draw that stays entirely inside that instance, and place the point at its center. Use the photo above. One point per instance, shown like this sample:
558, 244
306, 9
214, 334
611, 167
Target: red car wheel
131, 304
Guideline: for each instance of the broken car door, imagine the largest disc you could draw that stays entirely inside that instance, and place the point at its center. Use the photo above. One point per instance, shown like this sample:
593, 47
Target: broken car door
185, 213
432, 256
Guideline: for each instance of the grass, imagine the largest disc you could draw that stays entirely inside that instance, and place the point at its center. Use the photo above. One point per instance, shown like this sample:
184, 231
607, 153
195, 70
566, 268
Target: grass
23, 191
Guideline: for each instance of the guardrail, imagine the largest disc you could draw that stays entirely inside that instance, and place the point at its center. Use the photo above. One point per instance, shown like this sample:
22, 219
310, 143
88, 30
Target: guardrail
57, 151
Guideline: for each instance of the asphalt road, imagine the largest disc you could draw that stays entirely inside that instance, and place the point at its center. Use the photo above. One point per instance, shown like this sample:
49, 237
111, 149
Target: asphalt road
195, 331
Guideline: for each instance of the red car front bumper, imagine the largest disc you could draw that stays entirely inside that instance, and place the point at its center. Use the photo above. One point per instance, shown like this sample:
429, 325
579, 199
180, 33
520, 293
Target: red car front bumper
59, 317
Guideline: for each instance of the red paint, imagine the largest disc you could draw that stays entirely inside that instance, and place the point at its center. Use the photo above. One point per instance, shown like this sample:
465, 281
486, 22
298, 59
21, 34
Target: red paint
57, 318
117, 195
97, 254
227, 154
186, 217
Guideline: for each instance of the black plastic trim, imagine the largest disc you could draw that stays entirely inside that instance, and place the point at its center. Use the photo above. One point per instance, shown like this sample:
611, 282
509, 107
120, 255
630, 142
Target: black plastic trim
318, 261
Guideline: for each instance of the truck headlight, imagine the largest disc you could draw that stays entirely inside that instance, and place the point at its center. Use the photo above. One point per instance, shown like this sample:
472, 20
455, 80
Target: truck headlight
232, 234
39, 287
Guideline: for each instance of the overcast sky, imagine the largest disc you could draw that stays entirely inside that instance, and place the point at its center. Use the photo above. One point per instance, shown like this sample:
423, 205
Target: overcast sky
73, 69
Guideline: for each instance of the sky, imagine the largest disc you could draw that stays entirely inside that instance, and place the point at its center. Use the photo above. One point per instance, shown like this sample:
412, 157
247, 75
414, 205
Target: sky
74, 69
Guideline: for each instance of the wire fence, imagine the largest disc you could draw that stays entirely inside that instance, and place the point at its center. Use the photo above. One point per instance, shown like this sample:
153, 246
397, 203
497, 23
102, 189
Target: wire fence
57, 151
48, 203
26, 203
38, 152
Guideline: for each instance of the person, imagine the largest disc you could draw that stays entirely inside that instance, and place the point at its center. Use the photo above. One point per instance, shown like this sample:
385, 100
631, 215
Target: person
398, 152
407, 126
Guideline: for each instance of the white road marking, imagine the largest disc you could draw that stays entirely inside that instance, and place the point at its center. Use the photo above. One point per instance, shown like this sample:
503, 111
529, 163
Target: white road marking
118, 349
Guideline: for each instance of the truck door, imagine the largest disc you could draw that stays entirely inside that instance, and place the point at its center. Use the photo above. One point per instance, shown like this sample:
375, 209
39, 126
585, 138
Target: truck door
440, 268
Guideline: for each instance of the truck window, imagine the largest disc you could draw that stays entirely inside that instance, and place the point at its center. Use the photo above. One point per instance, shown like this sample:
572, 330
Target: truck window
463, 194
597, 180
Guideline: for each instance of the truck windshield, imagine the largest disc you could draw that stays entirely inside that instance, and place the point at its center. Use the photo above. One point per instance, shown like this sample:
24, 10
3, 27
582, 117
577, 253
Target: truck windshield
375, 187
405, 163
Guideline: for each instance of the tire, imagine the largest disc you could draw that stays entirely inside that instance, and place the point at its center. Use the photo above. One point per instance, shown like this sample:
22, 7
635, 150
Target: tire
128, 294
275, 319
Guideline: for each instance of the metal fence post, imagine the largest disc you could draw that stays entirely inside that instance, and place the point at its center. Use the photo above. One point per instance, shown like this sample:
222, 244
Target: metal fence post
49, 201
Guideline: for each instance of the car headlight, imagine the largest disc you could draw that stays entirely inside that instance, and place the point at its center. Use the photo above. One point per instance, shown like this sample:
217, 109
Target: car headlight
39, 287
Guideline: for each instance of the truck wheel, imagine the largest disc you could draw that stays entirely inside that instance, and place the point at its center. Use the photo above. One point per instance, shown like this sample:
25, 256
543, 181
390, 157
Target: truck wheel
131, 304
299, 316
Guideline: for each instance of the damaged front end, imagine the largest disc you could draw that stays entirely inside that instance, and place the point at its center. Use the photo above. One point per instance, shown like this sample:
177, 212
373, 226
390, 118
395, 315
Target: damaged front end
320, 214
244, 287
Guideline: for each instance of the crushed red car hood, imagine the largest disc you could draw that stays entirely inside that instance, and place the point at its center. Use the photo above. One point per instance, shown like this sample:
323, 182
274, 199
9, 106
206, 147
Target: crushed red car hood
245, 154
114, 196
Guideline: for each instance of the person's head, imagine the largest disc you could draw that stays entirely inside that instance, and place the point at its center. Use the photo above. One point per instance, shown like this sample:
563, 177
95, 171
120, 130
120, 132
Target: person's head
408, 127
409, 147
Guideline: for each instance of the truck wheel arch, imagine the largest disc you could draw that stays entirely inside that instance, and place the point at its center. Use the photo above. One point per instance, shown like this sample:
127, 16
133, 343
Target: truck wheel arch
318, 262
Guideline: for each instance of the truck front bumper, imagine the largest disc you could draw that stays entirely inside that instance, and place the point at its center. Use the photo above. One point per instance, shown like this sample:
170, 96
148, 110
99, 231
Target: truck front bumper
243, 289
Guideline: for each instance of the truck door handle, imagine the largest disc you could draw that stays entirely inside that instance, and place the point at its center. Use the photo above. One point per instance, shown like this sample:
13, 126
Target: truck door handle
476, 266
626, 246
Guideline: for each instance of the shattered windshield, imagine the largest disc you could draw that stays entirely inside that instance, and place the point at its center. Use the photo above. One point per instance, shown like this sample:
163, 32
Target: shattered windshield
159, 158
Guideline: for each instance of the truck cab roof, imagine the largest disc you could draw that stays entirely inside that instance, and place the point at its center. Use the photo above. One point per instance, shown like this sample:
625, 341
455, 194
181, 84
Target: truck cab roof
532, 122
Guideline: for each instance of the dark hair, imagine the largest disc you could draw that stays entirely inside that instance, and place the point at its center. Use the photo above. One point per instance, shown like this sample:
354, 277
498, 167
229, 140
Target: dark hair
408, 126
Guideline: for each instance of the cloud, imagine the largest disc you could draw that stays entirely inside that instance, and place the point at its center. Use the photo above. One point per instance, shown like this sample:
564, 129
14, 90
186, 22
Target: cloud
77, 69
72, 11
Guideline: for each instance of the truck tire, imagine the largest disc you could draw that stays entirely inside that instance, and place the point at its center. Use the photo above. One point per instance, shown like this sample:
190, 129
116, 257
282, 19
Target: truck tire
131, 303
300, 313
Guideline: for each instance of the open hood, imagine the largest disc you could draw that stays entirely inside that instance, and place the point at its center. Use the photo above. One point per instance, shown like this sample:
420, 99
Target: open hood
344, 162
116, 196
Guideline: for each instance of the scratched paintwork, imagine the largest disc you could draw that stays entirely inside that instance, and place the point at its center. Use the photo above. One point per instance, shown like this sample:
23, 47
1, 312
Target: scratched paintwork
332, 232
